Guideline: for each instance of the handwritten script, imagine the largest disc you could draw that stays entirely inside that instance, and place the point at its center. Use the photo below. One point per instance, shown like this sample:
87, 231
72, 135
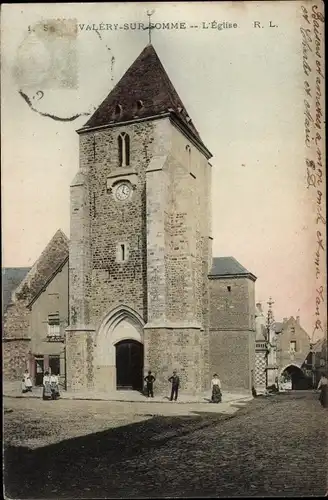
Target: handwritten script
312, 29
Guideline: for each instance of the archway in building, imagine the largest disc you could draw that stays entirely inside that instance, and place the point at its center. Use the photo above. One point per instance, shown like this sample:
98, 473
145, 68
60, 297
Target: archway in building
299, 380
119, 351
129, 365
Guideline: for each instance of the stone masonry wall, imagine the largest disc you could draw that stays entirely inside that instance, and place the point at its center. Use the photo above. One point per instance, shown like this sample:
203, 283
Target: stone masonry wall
79, 355
174, 349
232, 331
15, 358
234, 309
79, 250
112, 222
178, 235
232, 357
16, 341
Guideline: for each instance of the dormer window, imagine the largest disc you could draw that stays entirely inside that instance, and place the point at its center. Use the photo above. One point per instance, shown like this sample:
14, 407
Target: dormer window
118, 110
124, 149
139, 105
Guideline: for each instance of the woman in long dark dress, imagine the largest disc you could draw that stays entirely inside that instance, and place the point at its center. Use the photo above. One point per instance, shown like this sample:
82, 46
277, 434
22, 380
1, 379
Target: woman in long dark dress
323, 387
216, 389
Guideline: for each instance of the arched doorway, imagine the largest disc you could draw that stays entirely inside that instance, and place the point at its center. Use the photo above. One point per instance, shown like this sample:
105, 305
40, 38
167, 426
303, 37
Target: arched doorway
119, 352
129, 365
299, 380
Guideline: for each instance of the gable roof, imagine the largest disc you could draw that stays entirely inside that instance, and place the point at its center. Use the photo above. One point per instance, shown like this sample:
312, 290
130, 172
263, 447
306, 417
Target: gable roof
145, 81
229, 267
50, 261
282, 327
11, 278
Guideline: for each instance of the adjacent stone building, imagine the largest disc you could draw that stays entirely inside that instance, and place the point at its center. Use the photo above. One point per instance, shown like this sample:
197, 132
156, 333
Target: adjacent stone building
232, 323
36, 315
293, 348
144, 292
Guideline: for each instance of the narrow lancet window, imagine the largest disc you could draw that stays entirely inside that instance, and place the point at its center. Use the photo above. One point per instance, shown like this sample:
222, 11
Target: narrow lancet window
123, 252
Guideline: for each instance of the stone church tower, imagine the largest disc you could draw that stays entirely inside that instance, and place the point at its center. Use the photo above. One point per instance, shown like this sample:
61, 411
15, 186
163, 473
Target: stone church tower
140, 244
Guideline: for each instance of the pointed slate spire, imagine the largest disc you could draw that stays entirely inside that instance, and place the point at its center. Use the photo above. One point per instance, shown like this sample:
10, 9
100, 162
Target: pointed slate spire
145, 90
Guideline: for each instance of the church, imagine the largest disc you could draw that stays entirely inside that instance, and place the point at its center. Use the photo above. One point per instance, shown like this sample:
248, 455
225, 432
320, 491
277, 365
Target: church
135, 287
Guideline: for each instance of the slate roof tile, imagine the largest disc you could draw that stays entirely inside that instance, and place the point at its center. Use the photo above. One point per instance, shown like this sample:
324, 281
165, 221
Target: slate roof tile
11, 278
227, 266
52, 257
146, 82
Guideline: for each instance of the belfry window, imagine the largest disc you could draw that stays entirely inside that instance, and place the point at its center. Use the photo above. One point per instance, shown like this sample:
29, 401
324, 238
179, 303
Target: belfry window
124, 149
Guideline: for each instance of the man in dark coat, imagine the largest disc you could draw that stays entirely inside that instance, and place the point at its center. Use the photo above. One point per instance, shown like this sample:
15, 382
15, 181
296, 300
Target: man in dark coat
150, 379
175, 381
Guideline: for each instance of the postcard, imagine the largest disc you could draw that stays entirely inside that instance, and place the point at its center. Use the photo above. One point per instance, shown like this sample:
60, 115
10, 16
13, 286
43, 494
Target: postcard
164, 249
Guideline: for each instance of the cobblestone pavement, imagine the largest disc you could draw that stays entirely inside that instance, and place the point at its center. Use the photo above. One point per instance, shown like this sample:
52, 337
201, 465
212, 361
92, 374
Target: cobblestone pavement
274, 446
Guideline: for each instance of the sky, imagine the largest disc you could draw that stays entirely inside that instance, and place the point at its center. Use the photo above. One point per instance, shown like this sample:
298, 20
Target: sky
242, 87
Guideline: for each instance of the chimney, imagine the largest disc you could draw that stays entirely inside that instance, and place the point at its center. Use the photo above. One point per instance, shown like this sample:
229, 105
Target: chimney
298, 320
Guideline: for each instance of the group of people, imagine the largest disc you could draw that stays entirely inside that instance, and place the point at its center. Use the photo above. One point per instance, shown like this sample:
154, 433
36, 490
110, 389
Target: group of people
175, 384
50, 385
174, 380
216, 388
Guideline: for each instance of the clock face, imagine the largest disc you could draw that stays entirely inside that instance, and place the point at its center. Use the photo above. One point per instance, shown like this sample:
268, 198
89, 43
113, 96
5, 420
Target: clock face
123, 191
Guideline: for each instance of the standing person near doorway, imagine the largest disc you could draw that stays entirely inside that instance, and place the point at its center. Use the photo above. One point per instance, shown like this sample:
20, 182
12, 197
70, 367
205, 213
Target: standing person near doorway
54, 383
26, 382
46, 393
150, 379
175, 381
